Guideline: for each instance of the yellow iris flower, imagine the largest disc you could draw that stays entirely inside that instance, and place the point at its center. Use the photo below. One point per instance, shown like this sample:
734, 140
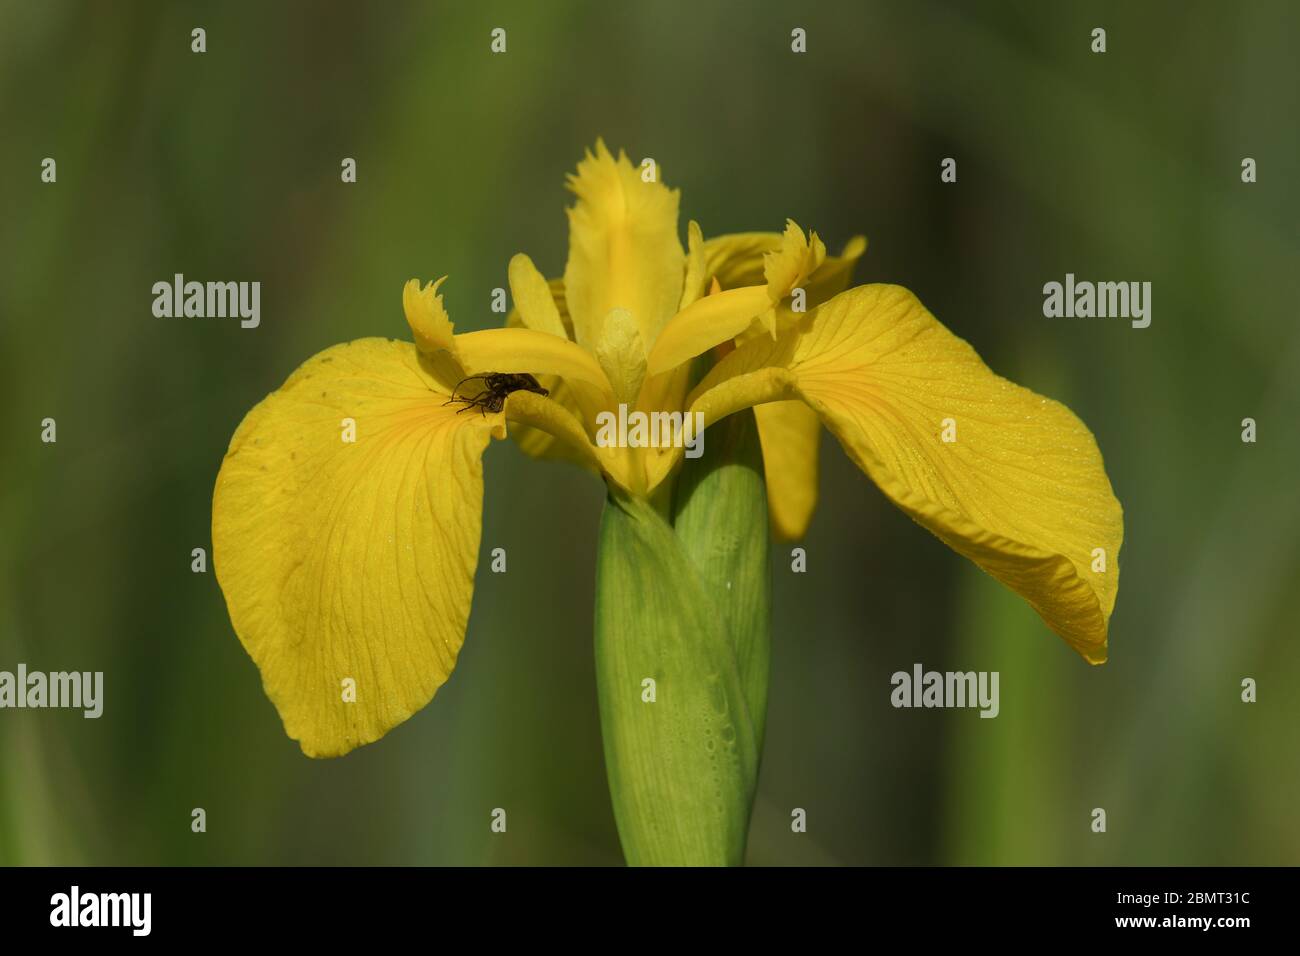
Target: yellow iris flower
353, 560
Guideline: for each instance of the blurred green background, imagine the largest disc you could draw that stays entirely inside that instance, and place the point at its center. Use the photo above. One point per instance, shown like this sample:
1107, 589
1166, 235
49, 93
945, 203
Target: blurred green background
225, 165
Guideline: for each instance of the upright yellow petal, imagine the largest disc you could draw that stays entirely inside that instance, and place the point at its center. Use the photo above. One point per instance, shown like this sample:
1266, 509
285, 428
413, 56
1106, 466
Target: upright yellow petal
556, 286
534, 301
348, 565
1010, 479
738, 259
799, 257
696, 277
432, 330
723, 316
624, 252
427, 317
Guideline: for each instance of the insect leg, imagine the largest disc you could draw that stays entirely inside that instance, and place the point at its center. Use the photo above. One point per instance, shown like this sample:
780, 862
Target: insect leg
467, 378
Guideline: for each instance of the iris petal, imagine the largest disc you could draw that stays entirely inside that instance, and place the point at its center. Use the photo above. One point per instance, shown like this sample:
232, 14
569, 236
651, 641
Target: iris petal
623, 248
348, 566
1010, 479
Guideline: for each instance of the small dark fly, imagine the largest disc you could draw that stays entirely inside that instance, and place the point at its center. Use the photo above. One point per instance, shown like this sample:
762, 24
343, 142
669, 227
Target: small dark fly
496, 387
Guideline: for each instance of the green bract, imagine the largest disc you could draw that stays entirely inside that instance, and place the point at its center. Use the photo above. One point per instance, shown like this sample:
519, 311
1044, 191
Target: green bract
682, 656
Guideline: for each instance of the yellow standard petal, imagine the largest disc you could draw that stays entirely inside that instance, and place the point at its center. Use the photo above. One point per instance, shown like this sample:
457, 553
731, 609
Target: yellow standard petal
534, 301
345, 534
1012, 480
624, 252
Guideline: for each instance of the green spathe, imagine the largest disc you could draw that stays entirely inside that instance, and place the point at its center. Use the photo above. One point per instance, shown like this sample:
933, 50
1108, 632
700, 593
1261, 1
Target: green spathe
682, 657
681, 767
721, 518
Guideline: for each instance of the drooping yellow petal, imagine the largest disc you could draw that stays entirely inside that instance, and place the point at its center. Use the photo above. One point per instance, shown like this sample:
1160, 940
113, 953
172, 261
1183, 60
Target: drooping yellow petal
623, 247
1010, 479
790, 433
539, 443
568, 439
834, 274
348, 565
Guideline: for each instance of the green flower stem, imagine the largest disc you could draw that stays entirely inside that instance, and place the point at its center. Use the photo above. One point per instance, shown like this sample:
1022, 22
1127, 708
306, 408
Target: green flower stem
682, 660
